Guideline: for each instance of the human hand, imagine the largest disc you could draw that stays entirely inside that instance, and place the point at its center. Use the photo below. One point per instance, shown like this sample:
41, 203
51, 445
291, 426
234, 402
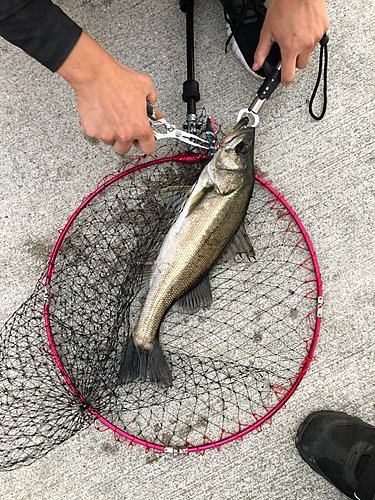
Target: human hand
111, 99
297, 26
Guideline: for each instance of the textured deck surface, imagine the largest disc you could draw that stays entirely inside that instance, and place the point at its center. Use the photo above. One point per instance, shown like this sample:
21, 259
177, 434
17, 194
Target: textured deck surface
325, 170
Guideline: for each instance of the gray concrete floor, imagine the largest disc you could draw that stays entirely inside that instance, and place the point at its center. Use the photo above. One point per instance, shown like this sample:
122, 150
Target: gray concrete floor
325, 171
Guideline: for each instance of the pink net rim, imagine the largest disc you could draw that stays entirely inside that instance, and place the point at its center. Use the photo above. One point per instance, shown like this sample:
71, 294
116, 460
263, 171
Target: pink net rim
279, 391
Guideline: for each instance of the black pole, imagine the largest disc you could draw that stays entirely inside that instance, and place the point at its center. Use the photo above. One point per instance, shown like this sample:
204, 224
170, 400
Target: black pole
190, 40
190, 93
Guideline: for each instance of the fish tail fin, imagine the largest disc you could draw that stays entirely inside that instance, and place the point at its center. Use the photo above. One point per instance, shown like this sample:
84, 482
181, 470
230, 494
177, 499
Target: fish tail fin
144, 363
158, 369
130, 364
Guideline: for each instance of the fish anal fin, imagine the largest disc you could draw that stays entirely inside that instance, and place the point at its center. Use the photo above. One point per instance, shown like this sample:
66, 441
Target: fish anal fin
146, 278
239, 244
197, 298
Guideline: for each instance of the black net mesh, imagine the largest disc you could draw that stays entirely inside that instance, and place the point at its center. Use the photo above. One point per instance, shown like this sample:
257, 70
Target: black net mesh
36, 412
230, 363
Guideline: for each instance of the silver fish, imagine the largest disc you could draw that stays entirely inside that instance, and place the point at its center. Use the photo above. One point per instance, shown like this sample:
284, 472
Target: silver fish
210, 219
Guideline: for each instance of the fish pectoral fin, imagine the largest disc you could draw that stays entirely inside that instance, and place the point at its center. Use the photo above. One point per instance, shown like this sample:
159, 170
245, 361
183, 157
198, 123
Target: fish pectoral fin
240, 243
199, 196
202, 187
199, 297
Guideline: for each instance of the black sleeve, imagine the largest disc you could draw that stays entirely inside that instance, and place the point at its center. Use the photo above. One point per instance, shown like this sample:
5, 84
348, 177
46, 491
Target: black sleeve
40, 28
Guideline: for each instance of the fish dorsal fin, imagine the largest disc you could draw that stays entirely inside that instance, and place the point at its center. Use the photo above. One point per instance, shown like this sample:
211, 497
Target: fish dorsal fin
240, 243
199, 297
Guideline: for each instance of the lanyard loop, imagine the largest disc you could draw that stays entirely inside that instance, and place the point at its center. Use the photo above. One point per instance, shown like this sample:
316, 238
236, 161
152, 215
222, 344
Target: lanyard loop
323, 55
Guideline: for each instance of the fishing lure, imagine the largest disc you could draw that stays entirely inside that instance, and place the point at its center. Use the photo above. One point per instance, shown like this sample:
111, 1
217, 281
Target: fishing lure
210, 135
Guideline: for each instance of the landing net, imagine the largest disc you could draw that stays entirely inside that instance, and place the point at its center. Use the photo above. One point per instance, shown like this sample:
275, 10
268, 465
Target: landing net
233, 365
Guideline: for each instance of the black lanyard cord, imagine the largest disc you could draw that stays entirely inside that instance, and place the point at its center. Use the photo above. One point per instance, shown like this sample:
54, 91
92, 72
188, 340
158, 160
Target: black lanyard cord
323, 55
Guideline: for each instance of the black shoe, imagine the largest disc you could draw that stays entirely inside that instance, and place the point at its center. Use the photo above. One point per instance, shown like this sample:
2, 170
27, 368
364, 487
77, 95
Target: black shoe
342, 450
244, 21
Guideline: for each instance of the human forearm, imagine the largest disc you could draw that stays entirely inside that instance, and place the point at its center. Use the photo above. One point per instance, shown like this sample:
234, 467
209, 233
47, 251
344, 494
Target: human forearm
111, 99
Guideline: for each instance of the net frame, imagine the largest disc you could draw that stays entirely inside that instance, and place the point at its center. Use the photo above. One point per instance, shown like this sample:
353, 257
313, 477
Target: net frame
282, 394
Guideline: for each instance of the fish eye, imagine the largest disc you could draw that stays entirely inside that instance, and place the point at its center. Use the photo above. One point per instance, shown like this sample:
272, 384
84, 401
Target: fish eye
242, 148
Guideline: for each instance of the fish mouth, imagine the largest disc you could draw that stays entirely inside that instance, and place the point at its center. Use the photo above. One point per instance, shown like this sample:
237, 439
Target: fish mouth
236, 130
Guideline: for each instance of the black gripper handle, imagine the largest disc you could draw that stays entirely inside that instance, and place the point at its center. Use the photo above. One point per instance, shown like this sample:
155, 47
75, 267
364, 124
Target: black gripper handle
271, 81
273, 75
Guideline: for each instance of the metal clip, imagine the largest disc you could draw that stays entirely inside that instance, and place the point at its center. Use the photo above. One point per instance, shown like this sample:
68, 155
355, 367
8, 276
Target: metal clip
175, 451
250, 112
47, 294
320, 307
269, 84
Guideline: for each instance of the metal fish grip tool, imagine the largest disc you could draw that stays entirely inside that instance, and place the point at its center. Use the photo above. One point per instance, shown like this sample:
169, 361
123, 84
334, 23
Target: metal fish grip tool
162, 129
265, 91
272, 80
